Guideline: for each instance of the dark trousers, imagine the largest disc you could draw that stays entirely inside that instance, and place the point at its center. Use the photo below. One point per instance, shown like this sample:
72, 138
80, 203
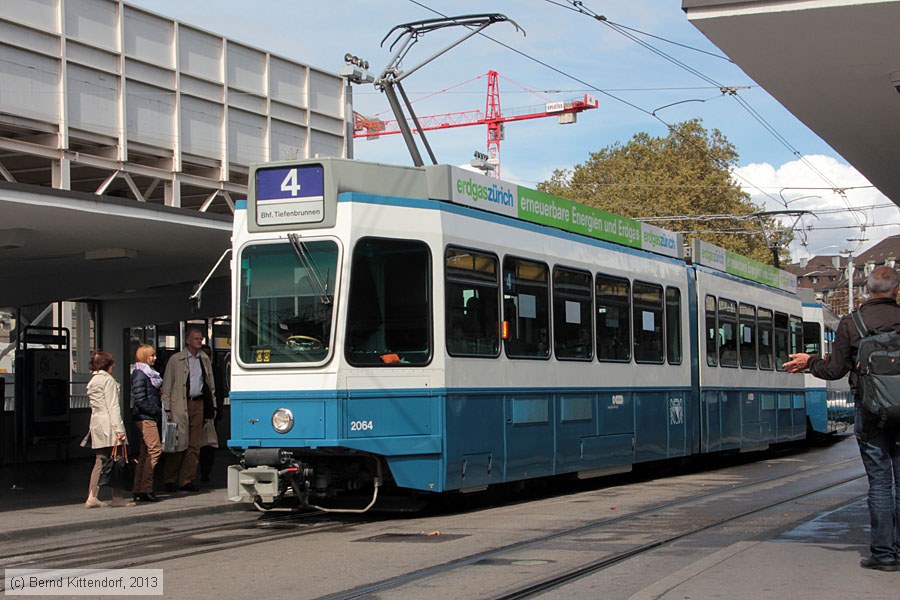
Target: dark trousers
181, 467
207, 457
880, 454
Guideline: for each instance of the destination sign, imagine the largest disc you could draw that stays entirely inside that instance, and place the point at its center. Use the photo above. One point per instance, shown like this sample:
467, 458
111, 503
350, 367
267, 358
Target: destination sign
288, 195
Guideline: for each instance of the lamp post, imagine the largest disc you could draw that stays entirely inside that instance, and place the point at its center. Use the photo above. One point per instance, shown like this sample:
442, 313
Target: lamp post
849, 253
849, 280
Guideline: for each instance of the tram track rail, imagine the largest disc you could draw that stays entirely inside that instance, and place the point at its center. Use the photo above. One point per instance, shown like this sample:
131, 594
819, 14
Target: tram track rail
176, 542
559, 579
125, 552
609, 561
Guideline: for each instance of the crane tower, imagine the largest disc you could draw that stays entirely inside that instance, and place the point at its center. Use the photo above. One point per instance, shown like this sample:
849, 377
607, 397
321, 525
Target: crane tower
493, 117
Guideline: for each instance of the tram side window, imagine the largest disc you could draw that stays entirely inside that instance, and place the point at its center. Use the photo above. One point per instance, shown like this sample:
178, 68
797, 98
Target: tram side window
673, 325
728, 351
829, 340
572, 308
796, 329
647, 300
781, 340
747, 330
765, 339
712, 352
388, 313
286, 302
613, 318
526, 308
812, 338
472, 303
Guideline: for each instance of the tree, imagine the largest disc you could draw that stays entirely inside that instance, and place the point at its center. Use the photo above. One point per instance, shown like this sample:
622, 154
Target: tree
686, 173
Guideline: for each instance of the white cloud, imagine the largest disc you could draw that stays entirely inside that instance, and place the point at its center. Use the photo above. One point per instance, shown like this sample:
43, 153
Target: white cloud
834, 218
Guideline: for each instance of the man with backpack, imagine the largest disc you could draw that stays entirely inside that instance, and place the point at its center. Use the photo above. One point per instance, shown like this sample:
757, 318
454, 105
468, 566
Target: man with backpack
878, 437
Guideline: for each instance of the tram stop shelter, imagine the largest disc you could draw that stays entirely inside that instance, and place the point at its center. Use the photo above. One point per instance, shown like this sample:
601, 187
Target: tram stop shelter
139, 262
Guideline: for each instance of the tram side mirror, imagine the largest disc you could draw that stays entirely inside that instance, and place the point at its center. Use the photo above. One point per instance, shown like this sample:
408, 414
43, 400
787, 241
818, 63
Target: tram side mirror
195, 298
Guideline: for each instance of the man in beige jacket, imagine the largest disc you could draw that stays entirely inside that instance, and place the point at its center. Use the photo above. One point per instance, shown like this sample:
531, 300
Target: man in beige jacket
188, 379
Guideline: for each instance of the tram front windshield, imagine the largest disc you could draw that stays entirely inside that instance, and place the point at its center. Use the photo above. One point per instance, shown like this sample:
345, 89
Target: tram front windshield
286, 302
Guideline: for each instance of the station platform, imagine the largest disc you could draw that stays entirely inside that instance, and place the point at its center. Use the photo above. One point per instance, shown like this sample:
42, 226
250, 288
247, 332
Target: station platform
45, 499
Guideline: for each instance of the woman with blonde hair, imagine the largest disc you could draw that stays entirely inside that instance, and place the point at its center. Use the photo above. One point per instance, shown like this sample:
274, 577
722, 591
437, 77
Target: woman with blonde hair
106, 428
146, 407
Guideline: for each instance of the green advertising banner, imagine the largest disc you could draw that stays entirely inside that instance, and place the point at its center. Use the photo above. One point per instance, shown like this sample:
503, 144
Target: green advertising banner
494, 195
718, 258
546, 209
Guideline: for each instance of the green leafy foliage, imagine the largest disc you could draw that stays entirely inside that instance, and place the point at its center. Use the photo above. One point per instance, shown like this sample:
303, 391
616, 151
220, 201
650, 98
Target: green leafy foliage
686, 173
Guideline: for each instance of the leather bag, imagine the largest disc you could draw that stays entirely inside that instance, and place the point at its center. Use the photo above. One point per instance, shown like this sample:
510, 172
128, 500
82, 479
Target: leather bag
118, 471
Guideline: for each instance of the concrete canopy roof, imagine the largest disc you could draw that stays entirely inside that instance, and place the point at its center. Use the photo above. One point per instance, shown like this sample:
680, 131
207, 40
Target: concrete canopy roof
835, 64
60, 245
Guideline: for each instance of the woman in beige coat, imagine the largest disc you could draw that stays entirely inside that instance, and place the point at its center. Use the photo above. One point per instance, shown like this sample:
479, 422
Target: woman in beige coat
106, 423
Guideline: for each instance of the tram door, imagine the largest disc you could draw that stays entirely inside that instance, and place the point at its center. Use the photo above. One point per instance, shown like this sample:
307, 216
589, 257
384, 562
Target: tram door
220, 342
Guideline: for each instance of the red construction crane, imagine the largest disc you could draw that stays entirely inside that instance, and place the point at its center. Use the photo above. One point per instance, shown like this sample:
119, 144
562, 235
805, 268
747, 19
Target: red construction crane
565, 112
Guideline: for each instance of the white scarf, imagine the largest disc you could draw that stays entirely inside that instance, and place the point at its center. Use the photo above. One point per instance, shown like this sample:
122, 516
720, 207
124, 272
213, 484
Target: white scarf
153, 374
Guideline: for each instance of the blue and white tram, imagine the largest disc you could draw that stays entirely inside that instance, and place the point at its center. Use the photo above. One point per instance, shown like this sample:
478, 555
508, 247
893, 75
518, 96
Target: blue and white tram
749, 329
829, 403
432, 329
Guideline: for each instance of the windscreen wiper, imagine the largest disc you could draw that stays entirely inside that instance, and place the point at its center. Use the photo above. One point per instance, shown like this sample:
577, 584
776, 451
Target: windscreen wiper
319, 285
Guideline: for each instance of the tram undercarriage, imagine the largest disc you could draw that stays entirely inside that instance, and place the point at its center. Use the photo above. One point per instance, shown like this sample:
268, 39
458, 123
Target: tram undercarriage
279, 479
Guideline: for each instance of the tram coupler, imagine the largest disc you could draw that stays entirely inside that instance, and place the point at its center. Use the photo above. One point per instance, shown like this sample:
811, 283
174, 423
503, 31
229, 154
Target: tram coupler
258, 457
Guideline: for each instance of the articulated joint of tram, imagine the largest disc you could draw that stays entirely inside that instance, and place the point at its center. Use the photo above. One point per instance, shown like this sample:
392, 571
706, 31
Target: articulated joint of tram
277, 479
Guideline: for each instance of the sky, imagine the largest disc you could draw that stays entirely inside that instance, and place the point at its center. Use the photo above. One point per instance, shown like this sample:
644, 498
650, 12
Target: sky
558, 54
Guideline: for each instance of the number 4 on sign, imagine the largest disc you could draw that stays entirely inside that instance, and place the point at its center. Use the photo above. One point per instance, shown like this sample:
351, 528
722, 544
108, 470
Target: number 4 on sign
289, 184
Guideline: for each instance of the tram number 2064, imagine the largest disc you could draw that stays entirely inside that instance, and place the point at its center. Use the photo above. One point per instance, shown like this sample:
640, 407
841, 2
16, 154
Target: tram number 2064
361, 426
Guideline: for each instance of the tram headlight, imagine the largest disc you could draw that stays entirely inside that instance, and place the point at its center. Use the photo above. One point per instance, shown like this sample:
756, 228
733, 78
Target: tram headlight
282, 420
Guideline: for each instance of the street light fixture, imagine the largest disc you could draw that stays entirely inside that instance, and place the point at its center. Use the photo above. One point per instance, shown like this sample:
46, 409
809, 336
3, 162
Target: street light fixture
481, 163
356, 70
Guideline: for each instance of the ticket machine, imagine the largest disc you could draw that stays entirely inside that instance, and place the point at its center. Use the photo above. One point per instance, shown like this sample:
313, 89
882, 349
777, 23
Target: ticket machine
43, 377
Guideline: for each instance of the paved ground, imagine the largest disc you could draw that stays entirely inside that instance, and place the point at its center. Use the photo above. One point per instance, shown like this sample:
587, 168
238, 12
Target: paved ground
46, 499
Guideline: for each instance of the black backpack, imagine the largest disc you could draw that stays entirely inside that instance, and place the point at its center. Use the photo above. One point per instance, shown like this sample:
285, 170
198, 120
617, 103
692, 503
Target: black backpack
878, 362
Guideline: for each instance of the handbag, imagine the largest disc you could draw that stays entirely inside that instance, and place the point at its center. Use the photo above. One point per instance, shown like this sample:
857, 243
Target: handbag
169, 435
118, 472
